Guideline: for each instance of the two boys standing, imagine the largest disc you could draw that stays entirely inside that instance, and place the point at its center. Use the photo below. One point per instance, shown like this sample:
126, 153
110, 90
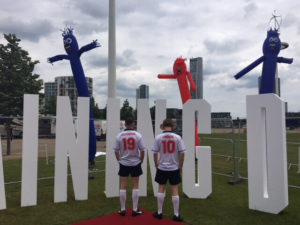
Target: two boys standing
168, 152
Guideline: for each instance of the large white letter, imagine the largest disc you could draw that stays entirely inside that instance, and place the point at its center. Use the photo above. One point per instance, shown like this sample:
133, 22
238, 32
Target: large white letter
30, 150
76, 146
2, 186
267, 160
111, 165
145, 127
203, 187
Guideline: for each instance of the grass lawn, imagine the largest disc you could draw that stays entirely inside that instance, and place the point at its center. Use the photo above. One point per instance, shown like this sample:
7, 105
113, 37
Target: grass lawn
228, 204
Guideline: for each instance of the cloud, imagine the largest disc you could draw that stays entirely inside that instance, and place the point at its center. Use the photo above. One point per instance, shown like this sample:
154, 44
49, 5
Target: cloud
86, 27
93, 8
223, 46
249, 9
31, 30
97, 61
125, 60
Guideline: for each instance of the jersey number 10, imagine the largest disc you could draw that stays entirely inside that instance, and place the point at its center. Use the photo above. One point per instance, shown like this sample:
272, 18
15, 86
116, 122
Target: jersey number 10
169, 146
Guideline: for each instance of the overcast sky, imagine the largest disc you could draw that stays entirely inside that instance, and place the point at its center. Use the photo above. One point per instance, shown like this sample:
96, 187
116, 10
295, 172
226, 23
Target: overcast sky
151, 34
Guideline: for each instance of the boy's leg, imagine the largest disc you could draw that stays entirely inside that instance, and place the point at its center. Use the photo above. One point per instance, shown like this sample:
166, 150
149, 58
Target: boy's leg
175, 199
160, 198
135, 193
124, 182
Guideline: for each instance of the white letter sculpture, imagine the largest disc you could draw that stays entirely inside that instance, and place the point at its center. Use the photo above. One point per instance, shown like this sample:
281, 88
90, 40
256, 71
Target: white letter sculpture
77, 146
203, 187
267, 157
30, 150
144, 126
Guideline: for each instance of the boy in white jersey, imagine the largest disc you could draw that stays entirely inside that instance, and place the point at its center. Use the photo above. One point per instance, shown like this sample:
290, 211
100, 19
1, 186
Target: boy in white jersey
170, 148
130, 151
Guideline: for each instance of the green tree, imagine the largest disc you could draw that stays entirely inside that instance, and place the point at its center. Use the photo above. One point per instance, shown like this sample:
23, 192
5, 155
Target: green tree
126, 110
16, 79
103, 113
50, 107
97, 112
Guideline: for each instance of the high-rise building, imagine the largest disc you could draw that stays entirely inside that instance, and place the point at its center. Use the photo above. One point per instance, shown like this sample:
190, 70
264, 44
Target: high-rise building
50, 90
66, 87
142, 92
196, 69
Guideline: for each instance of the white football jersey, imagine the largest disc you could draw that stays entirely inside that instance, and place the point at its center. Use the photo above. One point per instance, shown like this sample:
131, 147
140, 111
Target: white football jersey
129, 143
168, 145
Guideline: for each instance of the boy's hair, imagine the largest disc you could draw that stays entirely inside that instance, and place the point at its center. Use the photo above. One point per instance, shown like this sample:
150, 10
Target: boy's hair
129, 121
168, 123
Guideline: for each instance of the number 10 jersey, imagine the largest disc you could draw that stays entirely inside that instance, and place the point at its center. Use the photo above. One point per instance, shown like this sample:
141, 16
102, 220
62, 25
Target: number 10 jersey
168, 145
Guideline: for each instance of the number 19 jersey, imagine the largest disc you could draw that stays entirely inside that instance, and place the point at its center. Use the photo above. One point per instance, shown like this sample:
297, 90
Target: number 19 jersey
129, 143
168, 145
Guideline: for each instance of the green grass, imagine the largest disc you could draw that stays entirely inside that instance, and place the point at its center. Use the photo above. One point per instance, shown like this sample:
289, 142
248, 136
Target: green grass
228, 204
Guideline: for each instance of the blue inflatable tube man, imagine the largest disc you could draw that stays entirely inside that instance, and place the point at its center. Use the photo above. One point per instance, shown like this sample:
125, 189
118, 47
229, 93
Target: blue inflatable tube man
73, 55
271, 49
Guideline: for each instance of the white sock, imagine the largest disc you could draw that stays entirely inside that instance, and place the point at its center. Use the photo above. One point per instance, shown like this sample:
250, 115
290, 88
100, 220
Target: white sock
160, 202
175, 200
122, 198
135, 199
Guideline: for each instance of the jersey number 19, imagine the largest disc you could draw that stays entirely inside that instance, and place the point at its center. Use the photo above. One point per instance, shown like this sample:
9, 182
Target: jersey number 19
129, 143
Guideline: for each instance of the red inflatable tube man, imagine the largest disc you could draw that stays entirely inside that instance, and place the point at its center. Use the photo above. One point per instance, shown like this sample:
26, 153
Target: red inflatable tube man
183, 78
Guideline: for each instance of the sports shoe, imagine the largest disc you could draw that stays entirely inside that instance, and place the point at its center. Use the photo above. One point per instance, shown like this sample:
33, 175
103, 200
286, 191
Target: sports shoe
122, 212
158, 215
137, 212
177, 218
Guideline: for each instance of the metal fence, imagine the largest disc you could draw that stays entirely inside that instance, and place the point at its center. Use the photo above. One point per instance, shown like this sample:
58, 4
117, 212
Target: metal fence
229, 150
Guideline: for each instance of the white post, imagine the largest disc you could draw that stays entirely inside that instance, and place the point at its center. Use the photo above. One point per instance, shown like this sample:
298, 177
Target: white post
30, 150
2, 186
112, 50
112, 166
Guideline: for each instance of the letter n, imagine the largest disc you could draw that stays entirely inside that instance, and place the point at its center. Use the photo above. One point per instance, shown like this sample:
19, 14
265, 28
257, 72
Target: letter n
76, 146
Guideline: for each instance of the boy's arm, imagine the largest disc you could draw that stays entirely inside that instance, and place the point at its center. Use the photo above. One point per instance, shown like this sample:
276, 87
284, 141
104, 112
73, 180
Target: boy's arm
181, 160
117, 154
155, 159
142, 155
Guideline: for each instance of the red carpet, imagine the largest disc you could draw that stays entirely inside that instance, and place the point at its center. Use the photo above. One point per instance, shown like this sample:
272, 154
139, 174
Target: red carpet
116, 219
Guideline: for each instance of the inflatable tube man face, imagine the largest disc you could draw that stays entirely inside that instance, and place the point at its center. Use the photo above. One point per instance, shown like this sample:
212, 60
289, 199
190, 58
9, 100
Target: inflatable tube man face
179, 67
70, 42
272, 43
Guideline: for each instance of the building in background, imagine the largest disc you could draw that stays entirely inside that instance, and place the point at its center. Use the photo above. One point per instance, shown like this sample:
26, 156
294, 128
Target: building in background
65, 86
50, 90
196, 69
221, 120
142, 92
